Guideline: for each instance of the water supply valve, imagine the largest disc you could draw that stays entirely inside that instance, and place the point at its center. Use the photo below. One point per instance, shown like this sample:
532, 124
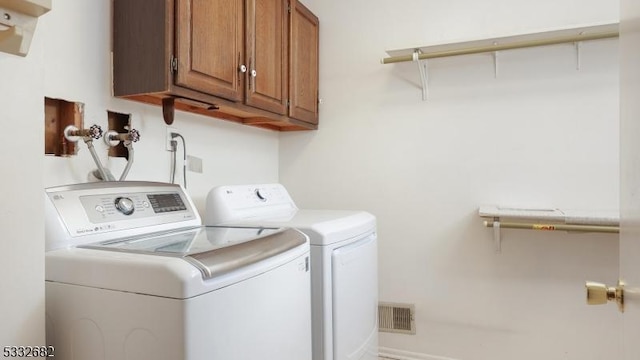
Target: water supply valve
113, 138
74, 134
94, 132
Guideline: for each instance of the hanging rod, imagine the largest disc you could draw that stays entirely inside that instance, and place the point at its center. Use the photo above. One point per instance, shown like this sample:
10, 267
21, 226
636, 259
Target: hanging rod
466, 48
554, 227
549, 219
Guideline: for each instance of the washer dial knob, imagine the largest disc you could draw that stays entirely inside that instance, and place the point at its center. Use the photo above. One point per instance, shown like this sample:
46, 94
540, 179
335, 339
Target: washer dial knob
124, 205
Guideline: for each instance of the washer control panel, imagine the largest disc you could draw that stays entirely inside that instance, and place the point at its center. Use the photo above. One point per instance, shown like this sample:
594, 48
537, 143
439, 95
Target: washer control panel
110, 207
115, 207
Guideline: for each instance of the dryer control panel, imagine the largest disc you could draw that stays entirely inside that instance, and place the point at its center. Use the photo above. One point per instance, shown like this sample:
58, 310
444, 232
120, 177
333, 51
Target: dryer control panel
236, 202
84, 213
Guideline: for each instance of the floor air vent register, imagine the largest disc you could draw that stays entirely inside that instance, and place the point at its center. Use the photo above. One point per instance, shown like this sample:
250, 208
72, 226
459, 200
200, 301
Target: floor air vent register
396, 318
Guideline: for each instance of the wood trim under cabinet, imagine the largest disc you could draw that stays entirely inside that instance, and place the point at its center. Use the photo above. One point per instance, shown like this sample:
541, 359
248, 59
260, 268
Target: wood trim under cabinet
227, 110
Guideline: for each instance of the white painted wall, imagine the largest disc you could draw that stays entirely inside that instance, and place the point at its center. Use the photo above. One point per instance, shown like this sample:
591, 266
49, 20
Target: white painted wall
541, 134
70, 59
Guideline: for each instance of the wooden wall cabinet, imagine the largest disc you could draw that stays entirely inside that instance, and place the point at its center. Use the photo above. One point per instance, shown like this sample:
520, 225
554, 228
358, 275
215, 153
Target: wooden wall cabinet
250, 61
303, 59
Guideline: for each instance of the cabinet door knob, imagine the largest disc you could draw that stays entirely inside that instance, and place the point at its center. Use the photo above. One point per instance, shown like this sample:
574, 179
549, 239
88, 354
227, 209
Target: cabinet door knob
243, 68
253, 73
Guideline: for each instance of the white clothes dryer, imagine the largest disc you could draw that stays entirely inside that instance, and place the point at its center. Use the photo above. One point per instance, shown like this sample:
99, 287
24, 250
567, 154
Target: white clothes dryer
131, 274
344, 282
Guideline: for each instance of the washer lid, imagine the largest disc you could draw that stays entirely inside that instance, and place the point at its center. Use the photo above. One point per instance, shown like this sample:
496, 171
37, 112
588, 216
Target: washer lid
213, 250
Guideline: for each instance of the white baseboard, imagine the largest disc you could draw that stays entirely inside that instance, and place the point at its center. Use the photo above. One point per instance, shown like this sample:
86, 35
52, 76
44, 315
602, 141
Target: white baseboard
396, 354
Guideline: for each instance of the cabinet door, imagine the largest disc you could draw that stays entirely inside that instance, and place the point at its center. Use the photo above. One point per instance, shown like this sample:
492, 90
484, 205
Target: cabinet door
303, 62
267, 39
209, 43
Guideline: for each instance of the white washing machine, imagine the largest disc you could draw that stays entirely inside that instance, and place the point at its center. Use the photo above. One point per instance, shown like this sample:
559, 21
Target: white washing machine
343, 263
131, 274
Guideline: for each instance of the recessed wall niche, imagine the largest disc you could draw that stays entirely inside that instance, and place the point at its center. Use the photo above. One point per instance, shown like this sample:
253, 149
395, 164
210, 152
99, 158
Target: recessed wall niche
120, 123
58, 114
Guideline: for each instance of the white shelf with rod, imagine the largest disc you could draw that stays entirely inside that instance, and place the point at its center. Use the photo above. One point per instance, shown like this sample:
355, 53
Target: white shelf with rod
548, 220
575, 35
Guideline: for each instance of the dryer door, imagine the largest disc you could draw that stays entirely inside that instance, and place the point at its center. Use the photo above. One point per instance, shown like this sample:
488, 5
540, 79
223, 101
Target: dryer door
355, 300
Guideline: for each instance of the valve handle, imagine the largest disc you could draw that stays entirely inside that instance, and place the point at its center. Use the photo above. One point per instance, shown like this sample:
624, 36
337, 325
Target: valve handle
134, 135
95, 131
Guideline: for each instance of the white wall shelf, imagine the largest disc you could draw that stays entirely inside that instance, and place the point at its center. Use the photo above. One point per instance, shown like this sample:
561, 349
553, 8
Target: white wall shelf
548, 220
18, 19
575, 35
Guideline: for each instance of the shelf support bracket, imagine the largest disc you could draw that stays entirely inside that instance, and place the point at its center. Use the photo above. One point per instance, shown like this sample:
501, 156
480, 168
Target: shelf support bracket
495, 61
424, 73
497, 241
578, 45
